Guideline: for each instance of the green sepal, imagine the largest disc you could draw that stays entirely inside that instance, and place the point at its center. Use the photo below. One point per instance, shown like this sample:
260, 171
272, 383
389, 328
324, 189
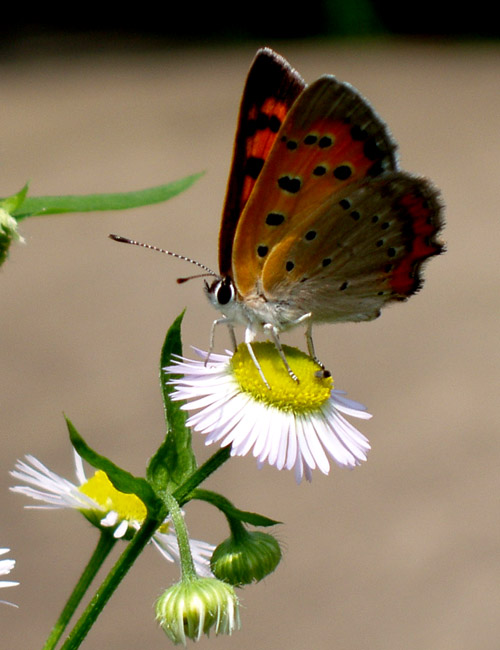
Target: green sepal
12, 204
230, 511
174, 461
42, 205
122, 480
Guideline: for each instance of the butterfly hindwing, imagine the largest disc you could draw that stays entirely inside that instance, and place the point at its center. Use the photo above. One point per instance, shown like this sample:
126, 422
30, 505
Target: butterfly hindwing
271, 87
359, 250
330, 139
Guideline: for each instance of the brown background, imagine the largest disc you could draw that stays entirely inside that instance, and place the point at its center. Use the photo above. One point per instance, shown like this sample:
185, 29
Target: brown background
403, 552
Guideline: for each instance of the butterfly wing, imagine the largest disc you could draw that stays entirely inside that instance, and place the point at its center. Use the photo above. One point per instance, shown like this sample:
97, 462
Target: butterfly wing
331, 138
331, 226
271, 88
357, 251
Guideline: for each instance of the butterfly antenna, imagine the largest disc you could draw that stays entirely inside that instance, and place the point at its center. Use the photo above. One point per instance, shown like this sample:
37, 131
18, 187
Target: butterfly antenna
192, 277
208, 271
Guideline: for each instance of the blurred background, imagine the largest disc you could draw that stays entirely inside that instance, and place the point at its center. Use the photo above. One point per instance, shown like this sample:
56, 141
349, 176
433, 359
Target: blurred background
403, 552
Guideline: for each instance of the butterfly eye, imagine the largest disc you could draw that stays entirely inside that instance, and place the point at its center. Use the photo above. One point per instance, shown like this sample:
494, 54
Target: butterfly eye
224, 291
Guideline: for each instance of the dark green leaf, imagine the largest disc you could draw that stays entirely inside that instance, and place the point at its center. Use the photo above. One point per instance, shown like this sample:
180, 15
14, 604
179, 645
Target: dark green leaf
225, 506
253, 518
174, 461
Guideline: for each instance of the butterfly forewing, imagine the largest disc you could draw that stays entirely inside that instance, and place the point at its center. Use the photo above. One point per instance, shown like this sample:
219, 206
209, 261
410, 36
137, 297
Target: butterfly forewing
271, 88
330, 139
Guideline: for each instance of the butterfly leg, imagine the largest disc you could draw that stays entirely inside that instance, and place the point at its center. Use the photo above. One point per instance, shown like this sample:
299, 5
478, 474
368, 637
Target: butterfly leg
216, 322
310, 343
249, 337
268, 327
323, 373
233, 336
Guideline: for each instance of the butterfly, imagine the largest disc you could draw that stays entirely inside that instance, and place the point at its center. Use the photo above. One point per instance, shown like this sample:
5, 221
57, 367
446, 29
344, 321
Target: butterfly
319, 224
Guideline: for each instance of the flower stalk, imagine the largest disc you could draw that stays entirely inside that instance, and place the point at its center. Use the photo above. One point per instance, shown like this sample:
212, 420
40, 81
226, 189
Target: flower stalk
110, 583
186, 559
104, 546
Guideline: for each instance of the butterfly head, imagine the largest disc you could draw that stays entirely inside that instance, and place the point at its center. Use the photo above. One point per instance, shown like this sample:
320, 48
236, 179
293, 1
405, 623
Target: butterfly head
223, 296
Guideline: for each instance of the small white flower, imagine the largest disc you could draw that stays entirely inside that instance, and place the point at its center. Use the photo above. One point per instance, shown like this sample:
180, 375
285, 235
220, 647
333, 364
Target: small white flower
6, 567
288, 425
103, 505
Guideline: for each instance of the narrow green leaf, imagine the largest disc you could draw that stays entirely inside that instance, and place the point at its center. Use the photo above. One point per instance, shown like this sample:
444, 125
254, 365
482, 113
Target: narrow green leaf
225, 506
253, 518
42, 205
174, 461
174, 415
121, 479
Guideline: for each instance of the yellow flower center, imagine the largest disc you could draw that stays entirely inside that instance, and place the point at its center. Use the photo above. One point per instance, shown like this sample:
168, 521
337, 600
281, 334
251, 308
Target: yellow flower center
285, 394
101, 490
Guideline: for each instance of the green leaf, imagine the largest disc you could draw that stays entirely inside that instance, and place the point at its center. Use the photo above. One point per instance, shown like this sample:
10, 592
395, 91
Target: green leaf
174, 461
42, 205
252, 518
174, 415
225, 506
121, 479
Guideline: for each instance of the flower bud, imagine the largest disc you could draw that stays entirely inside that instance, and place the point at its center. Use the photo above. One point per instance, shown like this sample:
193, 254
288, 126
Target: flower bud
192, 607
8, 232
246, 559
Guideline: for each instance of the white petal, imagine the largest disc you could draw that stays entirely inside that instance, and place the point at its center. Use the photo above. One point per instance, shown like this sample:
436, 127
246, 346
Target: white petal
291, 456
303, 446
121, 529
201, 551
316, 447
277, 433
349, 406
245, 440
52, 489
331, 442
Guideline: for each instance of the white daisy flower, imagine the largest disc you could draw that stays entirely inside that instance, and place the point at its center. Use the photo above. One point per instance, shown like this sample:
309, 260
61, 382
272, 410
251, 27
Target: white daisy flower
6, 567
102, 505
288, 425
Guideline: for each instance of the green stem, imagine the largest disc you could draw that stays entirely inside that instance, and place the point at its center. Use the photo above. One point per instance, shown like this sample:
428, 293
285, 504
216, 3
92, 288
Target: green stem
111, 582
104, 545
183, 492
186, 559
